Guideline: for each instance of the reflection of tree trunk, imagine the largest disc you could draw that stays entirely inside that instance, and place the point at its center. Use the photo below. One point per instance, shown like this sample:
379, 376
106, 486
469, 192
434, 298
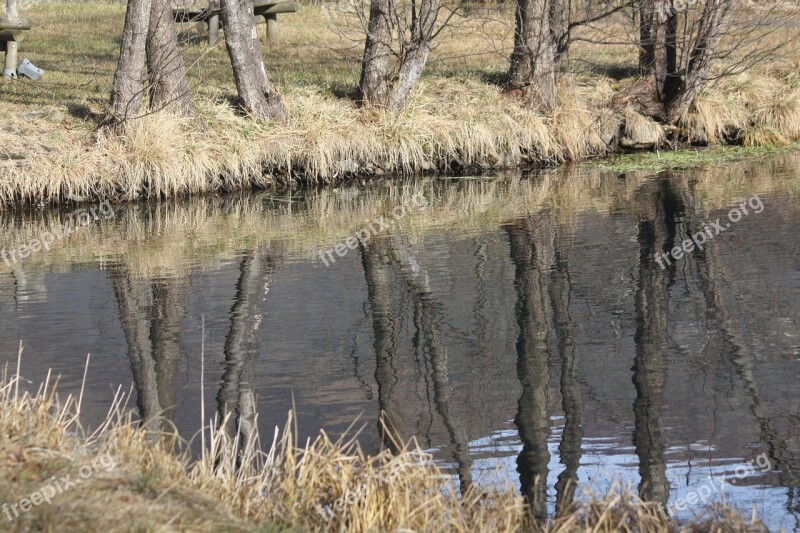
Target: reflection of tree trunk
656, 234
427, 317
151, 320
712, 276
531, 253
570, 447
236, 398
135, 309
377, 263
170, 300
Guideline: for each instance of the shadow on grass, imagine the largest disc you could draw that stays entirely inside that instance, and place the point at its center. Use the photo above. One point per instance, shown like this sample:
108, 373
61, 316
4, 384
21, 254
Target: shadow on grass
616, 71
84, 112
344, 90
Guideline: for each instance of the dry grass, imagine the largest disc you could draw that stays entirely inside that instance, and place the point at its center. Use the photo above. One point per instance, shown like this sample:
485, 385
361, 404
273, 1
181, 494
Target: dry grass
146, 485
457, 121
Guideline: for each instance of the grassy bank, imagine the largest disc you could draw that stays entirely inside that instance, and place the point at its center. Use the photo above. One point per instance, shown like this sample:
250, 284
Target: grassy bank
457, 121
123, 478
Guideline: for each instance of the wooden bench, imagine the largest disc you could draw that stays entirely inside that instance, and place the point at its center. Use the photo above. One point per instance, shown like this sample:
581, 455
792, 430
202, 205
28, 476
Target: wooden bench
12, 31
264, 11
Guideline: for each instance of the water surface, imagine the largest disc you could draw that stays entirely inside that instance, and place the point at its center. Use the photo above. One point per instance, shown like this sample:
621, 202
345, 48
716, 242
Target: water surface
520, 322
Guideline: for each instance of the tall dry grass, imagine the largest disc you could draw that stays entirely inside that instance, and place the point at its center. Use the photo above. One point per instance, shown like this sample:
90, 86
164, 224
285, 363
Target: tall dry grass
239, 486
458, 120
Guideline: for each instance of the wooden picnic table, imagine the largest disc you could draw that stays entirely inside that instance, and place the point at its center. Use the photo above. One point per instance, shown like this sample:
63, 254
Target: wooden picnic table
12, 31
264, 11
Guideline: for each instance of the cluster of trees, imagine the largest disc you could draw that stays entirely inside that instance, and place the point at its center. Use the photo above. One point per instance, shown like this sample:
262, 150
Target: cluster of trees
677, 44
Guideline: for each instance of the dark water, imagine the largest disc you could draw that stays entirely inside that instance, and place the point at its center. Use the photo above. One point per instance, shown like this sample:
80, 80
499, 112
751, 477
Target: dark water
515, 322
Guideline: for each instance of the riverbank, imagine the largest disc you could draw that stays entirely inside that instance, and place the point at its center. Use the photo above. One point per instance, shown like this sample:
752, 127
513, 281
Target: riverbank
459, 121
54, 476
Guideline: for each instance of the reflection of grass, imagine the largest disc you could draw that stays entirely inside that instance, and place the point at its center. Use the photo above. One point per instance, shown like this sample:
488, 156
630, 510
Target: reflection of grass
144, 485
686, 159
169, 236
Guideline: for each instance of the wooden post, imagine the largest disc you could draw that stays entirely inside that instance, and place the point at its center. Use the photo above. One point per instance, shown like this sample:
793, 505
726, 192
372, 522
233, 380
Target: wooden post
272, 27
213, 29
10, 68
11, 9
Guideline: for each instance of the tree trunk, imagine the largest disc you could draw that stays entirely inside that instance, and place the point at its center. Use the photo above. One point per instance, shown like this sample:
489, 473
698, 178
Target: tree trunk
377, 262
712, 26
135, 306
373, 88
416, 54
126, 94
166, 68
668, 90
379, 85
534, 60
170, 303
256, 94
570, 447
427, 341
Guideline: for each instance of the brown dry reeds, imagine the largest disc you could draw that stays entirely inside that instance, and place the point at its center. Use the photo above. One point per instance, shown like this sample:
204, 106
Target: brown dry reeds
238, 486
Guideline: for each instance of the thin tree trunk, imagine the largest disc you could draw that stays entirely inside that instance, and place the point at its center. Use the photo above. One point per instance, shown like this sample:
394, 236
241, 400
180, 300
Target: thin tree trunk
135, 306
427, 340
534, 58
712, 26
169, 87
656, 234
571, 401
416, 55
381, 86
257, 95
126, 94
170, 299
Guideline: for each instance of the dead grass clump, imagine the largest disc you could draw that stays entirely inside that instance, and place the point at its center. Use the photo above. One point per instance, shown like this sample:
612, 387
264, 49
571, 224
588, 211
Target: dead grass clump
641, 130
714, 117
781, 113
760, 135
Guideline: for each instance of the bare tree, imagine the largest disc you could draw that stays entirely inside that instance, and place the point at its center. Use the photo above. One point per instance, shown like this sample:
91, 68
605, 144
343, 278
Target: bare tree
535, 60
126, 94
166, 68
542, 36
402, 32
258, 97
677, 49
